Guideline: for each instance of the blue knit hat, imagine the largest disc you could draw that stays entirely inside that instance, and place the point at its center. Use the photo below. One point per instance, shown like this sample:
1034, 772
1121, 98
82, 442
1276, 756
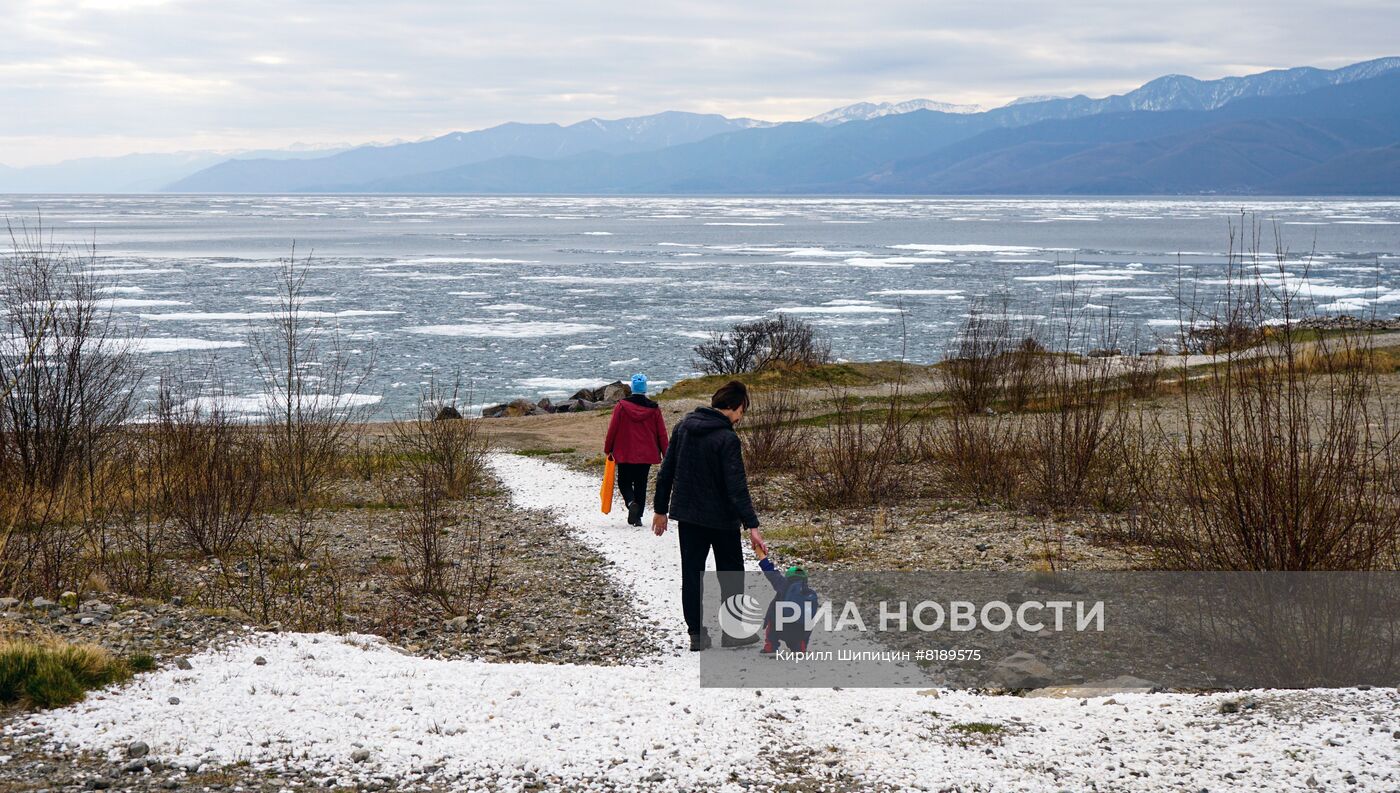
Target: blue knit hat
639, 384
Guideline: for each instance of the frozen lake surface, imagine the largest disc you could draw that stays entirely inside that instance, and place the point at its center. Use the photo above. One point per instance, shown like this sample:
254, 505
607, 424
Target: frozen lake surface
536, 296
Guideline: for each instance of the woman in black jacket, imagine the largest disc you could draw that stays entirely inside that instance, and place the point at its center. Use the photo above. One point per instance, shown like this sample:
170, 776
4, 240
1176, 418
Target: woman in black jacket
703, 486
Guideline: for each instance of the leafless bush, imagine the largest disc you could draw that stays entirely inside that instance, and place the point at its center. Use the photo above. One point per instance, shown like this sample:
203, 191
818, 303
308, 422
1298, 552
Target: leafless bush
1066, 443
449, 452
67, 381
274, 584
977, 456
448, 558
853, 461
209, 471
778, 342
974, 374
1025, 372
772, 436
312, 388
1282, 465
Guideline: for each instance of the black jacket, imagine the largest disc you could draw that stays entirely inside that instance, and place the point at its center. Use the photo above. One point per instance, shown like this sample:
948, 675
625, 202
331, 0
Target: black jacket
702, 478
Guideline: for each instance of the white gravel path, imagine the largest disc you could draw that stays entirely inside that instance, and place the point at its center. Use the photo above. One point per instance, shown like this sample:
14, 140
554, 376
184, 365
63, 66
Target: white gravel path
319, 698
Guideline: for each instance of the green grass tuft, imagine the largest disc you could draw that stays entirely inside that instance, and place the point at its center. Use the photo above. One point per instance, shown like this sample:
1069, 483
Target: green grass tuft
141, 662
543, 452
51, 674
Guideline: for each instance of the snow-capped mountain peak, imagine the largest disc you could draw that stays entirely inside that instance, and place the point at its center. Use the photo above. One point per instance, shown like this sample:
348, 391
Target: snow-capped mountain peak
863, 111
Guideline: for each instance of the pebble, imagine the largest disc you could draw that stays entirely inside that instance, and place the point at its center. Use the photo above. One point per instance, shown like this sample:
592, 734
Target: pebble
260, 661
138, 749
359, 755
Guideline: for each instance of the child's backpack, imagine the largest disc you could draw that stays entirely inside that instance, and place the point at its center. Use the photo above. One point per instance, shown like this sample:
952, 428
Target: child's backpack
794, 633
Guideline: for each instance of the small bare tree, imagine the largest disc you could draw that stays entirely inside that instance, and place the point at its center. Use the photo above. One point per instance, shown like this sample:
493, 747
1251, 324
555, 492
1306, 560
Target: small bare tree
313, 388
67, 385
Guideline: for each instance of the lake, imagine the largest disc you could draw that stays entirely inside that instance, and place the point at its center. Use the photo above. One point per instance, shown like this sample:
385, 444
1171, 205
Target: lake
540, 296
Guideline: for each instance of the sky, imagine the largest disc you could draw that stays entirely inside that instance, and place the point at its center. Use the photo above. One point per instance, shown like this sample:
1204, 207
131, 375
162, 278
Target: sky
83, 78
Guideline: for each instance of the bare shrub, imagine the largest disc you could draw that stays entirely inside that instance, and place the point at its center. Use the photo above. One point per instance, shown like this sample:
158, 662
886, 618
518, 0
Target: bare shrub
448, 557
853, 461
1066, 442
977, 456
1025, 372
67, 384
450, 452
974, 374
274, 584
778, 342
209, 471
1282, 464
312, 387
772, 436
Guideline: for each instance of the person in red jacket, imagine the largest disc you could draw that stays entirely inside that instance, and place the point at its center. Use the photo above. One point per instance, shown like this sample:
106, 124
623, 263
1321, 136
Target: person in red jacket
636, 440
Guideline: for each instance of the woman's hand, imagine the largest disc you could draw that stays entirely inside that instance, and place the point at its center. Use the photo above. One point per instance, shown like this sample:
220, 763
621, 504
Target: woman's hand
658, 524
756, 540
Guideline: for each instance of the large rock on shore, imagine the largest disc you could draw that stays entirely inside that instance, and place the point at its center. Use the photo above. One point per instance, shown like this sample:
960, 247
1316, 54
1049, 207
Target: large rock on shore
585, 399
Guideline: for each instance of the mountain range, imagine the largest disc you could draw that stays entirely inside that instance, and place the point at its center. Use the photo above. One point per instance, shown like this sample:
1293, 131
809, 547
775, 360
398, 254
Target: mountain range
1289, 131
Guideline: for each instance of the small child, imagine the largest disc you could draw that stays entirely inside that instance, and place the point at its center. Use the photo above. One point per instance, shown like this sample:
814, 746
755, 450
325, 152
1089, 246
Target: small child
792, 588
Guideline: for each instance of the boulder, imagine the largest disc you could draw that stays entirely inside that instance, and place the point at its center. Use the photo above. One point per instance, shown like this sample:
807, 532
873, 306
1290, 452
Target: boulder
494, 411
1021, 671
1122, 684
616, 391
585, 394
447, 413
567, 406
545, 405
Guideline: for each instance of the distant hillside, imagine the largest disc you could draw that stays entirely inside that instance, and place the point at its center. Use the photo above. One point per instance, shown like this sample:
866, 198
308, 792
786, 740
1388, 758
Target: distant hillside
128, 173
544, 141
1245, 146
864, 147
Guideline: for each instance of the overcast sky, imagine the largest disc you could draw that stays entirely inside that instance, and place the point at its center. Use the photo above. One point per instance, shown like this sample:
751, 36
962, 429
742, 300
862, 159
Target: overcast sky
96, 77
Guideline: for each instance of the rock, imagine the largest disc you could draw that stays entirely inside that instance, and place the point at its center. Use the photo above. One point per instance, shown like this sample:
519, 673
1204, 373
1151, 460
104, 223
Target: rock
43, 604
174, 700
260, 661
459, 624
1237, 705
447, 413
1021, 671
495, 411
8, 604
1110, 353
616, 391
1123, 684
138, 749
134, 767
656, 776
359, 755
183, 663
97, 783
545, 405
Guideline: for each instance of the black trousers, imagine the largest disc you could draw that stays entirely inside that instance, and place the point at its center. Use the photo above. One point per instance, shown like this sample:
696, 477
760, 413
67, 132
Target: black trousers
632, 482
696, 543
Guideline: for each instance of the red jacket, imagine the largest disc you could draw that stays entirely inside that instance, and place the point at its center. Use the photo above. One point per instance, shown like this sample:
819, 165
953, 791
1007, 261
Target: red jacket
637, 432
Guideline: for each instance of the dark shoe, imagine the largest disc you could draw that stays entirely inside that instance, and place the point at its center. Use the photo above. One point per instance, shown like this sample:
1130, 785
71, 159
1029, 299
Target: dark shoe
734, 641
634, 513
699, 641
